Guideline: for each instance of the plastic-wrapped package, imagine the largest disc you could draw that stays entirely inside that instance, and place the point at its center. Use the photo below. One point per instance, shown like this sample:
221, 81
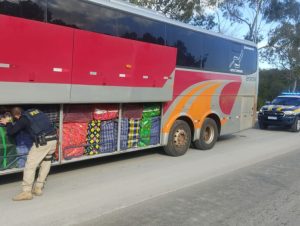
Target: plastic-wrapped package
124, 134
74, 139
93, 137
132, 111
8, 152
155, 130
106, 112
108, 136
145, 127
151, 110
133, 133
78, 113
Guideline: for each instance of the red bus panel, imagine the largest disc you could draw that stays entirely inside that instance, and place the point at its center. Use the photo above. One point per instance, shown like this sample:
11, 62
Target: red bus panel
34, 52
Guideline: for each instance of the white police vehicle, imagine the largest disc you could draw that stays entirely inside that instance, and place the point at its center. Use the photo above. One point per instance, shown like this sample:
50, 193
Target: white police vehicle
284, 110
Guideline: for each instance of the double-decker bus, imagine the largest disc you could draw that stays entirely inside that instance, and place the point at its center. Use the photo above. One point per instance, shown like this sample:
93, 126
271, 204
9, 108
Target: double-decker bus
117, 78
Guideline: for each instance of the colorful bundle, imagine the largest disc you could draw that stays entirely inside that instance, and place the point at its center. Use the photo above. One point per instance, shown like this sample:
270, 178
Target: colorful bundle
124, 133
155, 131
108, 136
151, 110
132, 111
106, 112
74, 139
133, 133
8, 153
145, 132
78, 113
93, 137
150, 127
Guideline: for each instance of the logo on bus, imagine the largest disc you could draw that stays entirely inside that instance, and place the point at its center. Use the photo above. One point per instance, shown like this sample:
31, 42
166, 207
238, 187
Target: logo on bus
235, 65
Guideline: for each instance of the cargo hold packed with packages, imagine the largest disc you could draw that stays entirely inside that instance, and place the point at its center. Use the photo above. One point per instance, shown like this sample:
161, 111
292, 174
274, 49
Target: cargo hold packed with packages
86, 131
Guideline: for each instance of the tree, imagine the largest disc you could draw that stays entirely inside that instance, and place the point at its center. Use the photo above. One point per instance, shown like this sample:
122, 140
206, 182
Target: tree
283, 49
271, 84
191, 11
249, 13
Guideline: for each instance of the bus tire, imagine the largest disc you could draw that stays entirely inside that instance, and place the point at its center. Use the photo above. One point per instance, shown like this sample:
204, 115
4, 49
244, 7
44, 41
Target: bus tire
179, 139
209, 135
296, 125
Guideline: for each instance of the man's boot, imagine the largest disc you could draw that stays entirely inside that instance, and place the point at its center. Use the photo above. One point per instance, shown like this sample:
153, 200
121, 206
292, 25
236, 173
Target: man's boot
23, 196
37, 190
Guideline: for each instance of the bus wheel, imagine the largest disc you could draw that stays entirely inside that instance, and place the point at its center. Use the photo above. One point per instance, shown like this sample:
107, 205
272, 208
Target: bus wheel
296, 126
208, 135
179, 139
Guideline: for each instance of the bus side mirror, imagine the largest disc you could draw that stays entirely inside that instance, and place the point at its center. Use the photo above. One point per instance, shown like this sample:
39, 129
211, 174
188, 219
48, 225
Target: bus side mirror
268, 102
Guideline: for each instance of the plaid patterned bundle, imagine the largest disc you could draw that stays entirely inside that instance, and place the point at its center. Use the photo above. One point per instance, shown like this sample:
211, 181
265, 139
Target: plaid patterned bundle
155, 131
93, 137
124, 133
108, 136
133, 133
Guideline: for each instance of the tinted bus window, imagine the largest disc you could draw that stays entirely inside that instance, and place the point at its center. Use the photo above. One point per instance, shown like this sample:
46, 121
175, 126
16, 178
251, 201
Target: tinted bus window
139, 28
82, 15
33, 9
188, 44
28, 9
242, 59
10, 7
216, 52
250, 63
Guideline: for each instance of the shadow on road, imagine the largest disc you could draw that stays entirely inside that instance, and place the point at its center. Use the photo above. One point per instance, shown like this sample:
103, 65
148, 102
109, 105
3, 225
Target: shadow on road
5, 179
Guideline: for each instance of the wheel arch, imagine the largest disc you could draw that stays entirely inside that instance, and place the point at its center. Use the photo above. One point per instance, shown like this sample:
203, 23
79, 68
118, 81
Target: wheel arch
189, 121
217, 119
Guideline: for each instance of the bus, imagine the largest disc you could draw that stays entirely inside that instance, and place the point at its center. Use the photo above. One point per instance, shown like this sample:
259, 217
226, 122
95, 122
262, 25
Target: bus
116, 78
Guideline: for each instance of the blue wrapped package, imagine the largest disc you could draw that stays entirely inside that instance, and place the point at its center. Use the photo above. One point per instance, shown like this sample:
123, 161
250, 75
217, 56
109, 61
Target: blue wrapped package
155, 130
124, 133
109, 136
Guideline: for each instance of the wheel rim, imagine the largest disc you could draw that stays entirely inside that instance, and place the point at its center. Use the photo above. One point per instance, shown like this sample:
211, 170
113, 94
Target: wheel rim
298, 124
209, 134
180, 138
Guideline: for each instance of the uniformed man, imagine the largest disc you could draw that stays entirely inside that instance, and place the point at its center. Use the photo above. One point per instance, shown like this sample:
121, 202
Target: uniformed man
38, 125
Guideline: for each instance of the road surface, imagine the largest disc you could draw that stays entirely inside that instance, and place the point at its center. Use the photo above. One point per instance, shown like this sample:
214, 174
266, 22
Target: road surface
250, 178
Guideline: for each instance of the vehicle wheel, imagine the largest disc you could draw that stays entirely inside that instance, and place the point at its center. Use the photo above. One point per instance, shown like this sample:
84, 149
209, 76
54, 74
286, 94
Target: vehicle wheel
262, 125
179, 139
296, 126
208, 135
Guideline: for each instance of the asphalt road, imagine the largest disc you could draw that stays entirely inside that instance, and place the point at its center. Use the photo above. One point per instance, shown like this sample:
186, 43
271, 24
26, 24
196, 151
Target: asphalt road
250, 178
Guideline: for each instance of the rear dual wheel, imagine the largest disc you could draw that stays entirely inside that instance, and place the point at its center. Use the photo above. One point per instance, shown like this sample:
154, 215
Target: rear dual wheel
208, 135
180, 137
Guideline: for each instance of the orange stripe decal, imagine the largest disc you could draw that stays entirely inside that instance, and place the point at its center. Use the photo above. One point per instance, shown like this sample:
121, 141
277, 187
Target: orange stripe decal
201, 107
180, 106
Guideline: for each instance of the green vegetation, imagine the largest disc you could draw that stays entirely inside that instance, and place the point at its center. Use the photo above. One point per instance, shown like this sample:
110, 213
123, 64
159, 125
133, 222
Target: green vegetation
272, 83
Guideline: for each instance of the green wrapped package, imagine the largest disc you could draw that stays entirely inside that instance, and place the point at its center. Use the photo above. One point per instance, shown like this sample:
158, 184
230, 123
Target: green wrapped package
145, 131
152, 110
8, 152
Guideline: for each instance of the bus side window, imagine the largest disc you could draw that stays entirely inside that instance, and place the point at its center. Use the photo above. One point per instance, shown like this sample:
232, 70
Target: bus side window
216, 52
10, 8
250, 63
139, 28
189, 46
33, 9
82, 15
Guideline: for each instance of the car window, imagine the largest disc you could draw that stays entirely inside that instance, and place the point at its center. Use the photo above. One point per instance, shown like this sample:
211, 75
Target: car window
295, 101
